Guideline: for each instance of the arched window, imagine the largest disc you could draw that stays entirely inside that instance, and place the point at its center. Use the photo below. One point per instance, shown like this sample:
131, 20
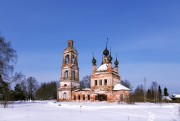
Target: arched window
88, 97
73, 59
64, 95
100, 82
83, 97
105, 81
79, 97
74, 75
74, 97
65, 85
67, 59
95, 82
66, 74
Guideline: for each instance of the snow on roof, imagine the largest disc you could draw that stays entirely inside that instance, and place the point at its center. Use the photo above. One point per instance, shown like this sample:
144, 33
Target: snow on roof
86, 89
120, 87
166, 98
99, 92
103, 67
176, 95
76, 90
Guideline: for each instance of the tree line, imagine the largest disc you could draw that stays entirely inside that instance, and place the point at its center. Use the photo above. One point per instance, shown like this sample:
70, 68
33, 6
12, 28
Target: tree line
153, 94
29, 89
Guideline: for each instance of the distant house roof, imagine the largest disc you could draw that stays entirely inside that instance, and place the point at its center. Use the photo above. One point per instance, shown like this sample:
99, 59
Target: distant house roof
120, 87
176, 96
103, 67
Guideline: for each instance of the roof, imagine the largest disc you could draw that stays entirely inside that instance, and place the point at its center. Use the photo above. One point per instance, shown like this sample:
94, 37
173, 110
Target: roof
99, 92
176, 96
120, 87
103, 67
86, 89
166, 98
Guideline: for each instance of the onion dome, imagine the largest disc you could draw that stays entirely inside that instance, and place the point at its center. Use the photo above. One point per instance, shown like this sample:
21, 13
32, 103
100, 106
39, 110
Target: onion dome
94, 61
106, 52
116, 62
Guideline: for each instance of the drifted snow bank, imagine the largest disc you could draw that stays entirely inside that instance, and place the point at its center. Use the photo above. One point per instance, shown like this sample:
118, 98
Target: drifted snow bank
79, 111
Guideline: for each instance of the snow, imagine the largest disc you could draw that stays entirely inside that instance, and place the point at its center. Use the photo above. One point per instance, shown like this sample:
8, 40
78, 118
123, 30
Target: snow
176, 95
120, 87
166, 98
103, 67
88, 111
86, 89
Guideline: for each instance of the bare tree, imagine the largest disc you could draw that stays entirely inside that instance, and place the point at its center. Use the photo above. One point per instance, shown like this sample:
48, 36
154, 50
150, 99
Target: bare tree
23, 86
139, 93
32, 86
126, 83
154, 91
8, 58
85, 82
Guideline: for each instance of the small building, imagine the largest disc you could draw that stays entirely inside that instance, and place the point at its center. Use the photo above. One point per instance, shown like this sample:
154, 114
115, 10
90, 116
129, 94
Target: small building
104, 83
175, 97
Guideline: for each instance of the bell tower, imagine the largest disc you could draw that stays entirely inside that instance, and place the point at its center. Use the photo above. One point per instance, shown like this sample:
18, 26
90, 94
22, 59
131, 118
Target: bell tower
69, 79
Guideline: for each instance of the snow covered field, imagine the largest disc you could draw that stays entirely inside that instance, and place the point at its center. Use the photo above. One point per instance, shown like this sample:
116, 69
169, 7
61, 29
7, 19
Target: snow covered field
99, 111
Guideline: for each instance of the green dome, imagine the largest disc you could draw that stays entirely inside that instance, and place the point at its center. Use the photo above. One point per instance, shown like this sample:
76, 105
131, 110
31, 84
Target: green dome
116, 63
106, 52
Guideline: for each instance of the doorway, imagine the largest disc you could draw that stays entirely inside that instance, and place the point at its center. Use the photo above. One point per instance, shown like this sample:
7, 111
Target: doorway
101, 97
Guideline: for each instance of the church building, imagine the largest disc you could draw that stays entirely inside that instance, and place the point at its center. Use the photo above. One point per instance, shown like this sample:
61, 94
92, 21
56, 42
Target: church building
104, 83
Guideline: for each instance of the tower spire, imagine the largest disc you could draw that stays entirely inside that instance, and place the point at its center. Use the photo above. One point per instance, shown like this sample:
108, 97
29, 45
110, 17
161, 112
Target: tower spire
106, 51
107, 42
93, 60
116, 62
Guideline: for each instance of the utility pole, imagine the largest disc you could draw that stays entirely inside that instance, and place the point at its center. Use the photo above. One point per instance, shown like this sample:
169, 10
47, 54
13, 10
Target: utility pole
144, 89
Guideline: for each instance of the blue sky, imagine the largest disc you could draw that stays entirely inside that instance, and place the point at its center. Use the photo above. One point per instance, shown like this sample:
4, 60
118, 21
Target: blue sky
145, 35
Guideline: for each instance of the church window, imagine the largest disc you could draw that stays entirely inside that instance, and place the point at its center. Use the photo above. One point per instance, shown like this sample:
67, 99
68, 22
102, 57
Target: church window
67, 59
83, 97
65, 85
64, 95
79, 97
95, 82
66, 74
88, 97
73, 59
100, 82
74, 97
74, 75
105, 81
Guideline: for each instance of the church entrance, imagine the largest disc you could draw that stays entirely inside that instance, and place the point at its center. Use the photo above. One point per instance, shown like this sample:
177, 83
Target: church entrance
101, 97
